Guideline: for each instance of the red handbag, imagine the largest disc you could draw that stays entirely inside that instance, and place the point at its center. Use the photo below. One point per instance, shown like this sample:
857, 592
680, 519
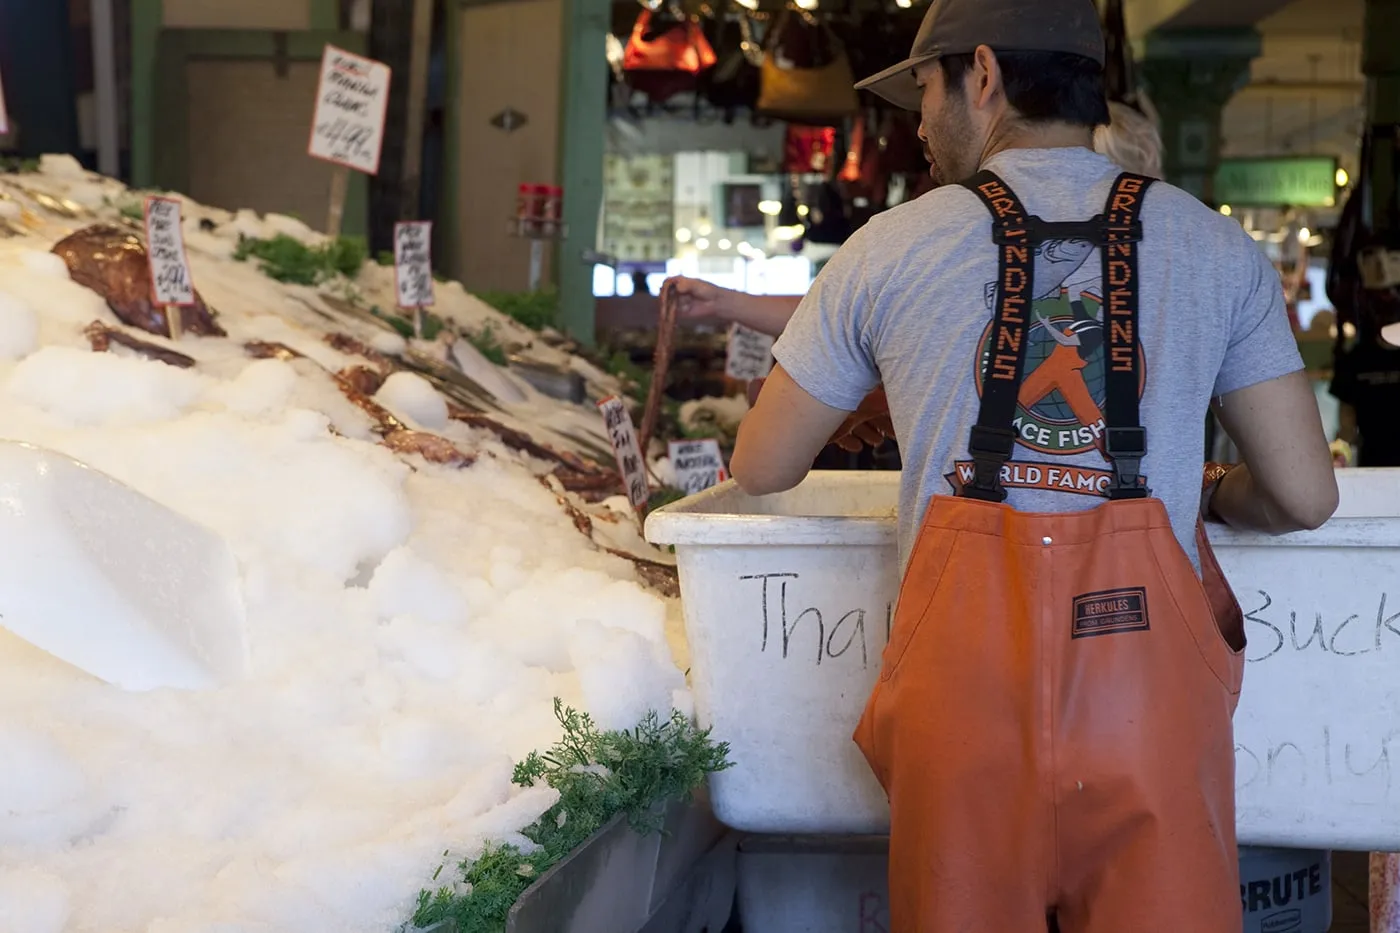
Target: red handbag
808, 150
665, 55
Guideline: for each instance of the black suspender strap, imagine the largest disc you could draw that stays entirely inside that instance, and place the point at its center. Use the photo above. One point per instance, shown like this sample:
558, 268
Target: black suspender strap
993, 438
1017, 234
1125, 440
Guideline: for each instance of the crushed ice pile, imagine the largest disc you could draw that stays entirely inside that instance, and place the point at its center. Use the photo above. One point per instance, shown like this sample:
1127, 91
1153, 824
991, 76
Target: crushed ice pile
409, 623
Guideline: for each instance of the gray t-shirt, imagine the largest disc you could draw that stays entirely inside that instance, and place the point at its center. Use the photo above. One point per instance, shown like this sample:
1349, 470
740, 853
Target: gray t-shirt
908, 301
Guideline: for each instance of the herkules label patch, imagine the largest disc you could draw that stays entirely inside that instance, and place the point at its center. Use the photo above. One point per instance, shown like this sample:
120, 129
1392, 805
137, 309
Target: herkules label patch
1109, 612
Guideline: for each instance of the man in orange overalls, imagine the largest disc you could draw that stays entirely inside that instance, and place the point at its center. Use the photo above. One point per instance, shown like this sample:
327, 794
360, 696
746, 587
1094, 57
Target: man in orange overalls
1052, 717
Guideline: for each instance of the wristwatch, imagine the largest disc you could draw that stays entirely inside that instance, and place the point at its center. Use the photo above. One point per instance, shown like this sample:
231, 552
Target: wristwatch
1210, 482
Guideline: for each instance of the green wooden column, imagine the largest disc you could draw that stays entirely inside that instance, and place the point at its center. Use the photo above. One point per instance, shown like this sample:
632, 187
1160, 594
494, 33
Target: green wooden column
146, 19
582, 119
1191, 74
1380, 62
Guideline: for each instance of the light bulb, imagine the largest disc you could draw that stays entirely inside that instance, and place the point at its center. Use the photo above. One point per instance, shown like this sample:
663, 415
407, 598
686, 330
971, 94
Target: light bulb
771, 208
725, 244
703, 229
1304, 235
682, 235
1343, 179
702, 243
1226, 210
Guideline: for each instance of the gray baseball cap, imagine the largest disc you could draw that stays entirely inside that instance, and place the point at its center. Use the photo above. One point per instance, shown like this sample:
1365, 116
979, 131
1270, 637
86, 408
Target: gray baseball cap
956, 27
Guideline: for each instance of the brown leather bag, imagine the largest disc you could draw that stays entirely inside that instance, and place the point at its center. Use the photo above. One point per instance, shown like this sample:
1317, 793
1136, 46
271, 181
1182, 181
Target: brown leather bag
806, 77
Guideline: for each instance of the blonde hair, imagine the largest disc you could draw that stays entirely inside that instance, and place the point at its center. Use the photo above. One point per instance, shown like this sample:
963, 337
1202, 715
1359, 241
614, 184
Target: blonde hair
1131, 140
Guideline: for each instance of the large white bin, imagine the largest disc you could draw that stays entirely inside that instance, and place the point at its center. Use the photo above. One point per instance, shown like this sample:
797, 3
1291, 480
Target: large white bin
788, 600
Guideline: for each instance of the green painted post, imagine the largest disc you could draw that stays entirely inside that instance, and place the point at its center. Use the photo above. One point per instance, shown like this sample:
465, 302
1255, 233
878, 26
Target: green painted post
582, 110
325, 14
1191, 74
147, 17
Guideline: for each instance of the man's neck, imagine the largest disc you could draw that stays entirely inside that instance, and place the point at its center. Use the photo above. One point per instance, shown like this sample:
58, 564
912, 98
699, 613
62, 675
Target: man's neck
1037, 136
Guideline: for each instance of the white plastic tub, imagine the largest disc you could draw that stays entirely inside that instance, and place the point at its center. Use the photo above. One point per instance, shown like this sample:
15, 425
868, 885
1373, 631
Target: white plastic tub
787, 603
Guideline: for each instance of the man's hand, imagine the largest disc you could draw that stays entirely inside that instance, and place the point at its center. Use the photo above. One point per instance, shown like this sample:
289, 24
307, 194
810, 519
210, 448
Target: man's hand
704, 301
869, 425
699, 299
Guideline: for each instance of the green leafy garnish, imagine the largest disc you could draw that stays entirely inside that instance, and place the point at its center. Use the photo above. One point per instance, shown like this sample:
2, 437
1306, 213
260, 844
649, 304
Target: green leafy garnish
536, 310
488, 345
598, 775
287, 259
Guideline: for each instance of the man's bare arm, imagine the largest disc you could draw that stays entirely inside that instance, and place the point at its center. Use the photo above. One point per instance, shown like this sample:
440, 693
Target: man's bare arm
781, 436
767, 314
1287, 481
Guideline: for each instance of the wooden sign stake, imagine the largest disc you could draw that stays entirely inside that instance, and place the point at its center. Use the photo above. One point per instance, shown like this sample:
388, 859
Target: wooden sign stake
340, 183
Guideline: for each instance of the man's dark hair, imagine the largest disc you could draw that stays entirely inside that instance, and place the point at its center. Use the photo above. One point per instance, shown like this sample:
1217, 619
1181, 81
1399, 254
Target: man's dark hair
1044, 86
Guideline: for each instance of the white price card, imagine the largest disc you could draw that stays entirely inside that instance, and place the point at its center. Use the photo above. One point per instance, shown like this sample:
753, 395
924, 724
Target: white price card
624, 444
749, 354
413, 263
165, 245
348, 125
698, 465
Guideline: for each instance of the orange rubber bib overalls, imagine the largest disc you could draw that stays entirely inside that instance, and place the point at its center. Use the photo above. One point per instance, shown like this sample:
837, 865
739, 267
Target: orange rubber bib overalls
1052, 719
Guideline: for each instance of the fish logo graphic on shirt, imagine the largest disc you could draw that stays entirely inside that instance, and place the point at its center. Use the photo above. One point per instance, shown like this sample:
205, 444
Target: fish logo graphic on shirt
1063, 388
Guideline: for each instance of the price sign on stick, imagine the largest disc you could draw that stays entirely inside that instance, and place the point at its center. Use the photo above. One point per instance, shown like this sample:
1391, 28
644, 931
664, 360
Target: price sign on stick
347, 128
749, 354
630, 461
171, 284
351, 100
698, 465
413, 267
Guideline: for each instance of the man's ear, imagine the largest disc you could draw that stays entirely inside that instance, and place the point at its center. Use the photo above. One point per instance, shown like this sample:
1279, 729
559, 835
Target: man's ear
986, 76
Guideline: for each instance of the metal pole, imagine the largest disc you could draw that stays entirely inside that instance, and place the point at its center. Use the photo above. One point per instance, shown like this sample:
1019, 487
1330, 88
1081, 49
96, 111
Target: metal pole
104, 65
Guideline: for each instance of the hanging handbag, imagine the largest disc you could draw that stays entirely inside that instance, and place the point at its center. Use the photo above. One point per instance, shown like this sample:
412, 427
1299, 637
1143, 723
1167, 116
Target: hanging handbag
733, 84
806, 76
901, 150
665, 55
828, 221
808, 150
